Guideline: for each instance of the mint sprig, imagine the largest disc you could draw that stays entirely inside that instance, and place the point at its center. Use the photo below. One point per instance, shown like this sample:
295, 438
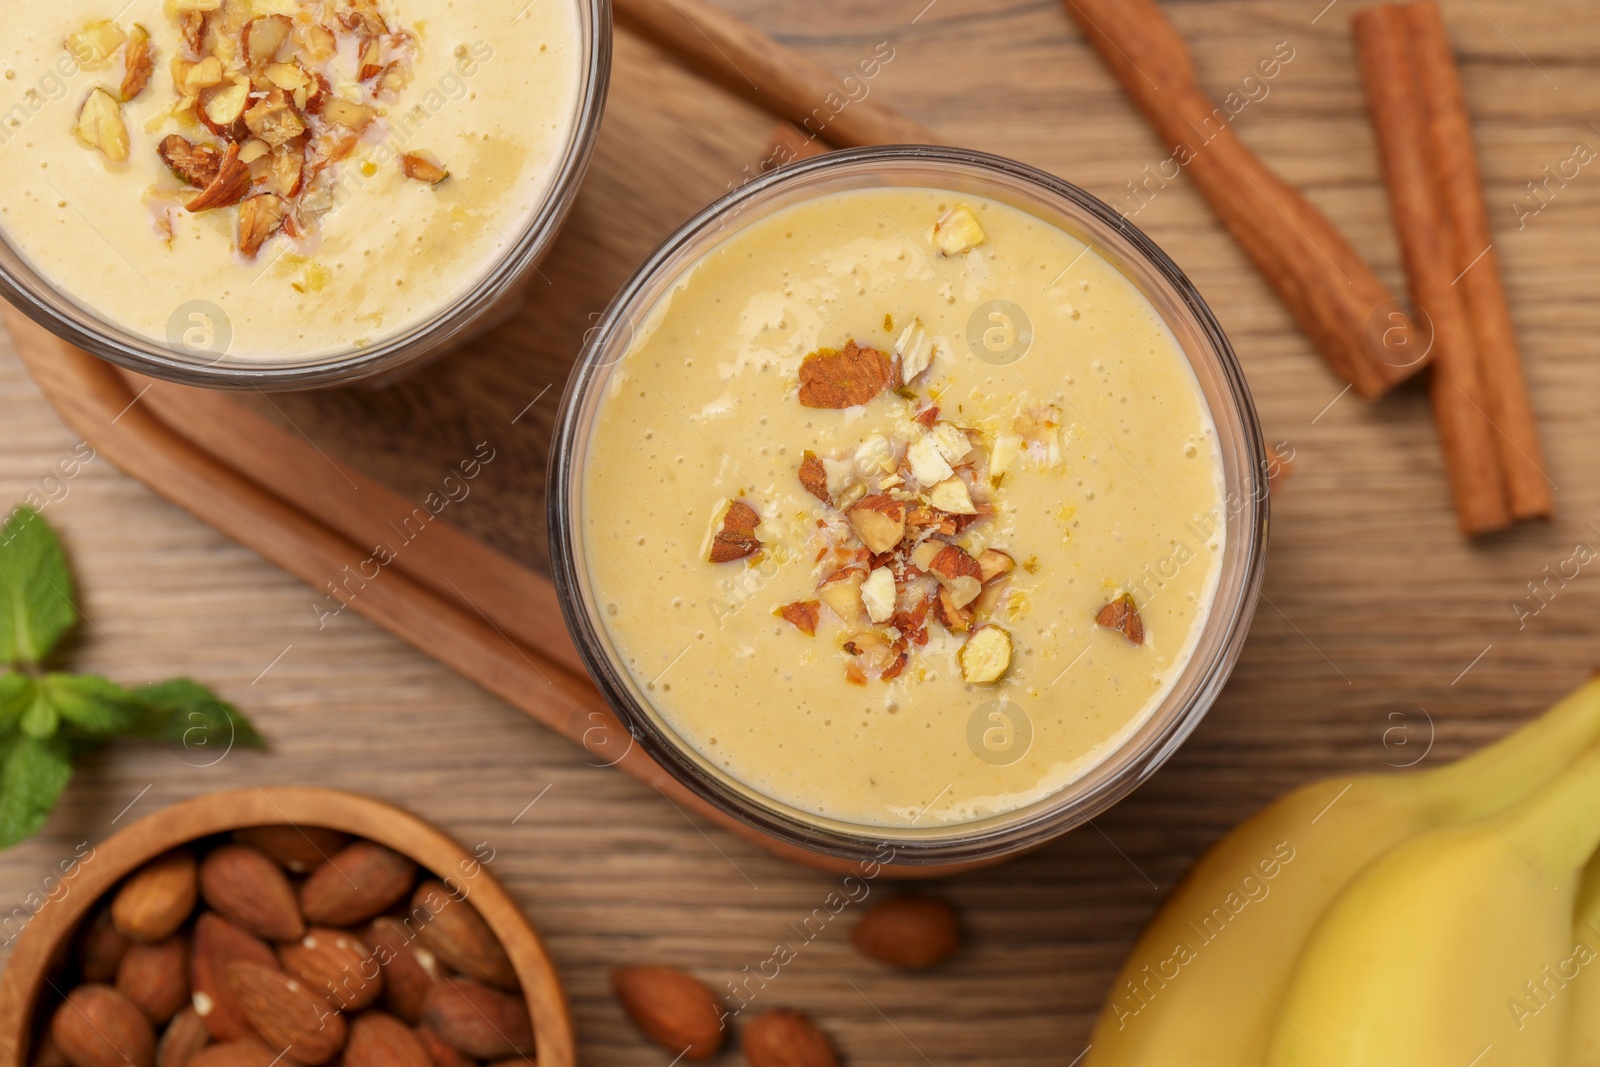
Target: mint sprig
47, 717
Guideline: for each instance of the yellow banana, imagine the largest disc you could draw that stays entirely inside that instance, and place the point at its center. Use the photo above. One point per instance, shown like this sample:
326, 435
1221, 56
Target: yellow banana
1198, 988
1425, 958
1577, 977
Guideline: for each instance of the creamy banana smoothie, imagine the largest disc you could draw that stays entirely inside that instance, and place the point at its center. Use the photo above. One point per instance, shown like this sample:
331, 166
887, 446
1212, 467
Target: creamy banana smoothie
904, 507
327, 172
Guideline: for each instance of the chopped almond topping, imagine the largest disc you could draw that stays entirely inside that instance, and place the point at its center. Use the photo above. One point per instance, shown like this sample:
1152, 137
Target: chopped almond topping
928, 415
274, 120
878, 594
196, 164
892, 671
263, 37
927, 465
814, 476
952, 497
841, 591
100, 126
833, 379
737, 538
285, 171
137, 63
880, 522
95, 44
986, 656
371, 59
223, 106
803, 615
422, 169
230, 185
956, 619
954, 562
1122, 615
957, 232
192, 24
915, 350
993, 563
259, 218
348, 113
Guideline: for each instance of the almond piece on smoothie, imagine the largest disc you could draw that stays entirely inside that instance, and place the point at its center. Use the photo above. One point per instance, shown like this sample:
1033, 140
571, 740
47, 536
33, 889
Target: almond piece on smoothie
420, 168
138, 63
274, 120
841, 591
260, 217
880, 522
100, 125
348, 113
951, 441
802, 615
957, 232
1122, 615
951, 496
224, 105
263, 37
195, 164
844, 379
95, 44
877, 594
915, 350
958, 573
814, 476
992, 563
956, 619
228, 187
927, 463
986, 656
737, 538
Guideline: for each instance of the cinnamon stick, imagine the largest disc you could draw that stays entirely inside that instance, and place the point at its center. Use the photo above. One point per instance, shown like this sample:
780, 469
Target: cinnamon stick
1394, 96
1326, 285
837, 109
1460, 188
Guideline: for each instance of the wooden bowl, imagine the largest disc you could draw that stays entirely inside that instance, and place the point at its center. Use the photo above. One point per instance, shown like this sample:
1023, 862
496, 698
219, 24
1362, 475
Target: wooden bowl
47, 938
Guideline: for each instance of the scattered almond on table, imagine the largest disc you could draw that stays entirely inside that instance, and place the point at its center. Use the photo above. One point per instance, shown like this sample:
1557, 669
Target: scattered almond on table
284, 946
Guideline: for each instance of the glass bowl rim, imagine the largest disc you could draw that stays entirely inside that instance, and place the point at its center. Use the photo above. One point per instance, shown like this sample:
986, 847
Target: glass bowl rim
71, 320
1023, 828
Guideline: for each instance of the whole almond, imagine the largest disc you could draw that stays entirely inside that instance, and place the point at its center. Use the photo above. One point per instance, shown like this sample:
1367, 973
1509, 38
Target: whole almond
409, 969
156, 899
101, 947
287, 1015
911, 932
457, 934
156, 977
252, 892
218, 943
355, 884
378, 1039
245, 1052
98, 1027
441, 1052
786, 1039
480, 1021
184, 1036
297, 849
335, 965
675, 1010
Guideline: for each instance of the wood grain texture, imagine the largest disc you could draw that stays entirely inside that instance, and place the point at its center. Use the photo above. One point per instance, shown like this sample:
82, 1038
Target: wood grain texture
1375, 605
28, 975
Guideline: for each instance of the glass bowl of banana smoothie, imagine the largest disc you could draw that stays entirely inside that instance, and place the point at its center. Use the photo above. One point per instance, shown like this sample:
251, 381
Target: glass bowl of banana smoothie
909, 503
288, 194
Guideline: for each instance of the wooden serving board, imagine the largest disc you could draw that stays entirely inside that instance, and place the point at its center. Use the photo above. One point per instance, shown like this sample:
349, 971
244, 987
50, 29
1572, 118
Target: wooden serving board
1382, 637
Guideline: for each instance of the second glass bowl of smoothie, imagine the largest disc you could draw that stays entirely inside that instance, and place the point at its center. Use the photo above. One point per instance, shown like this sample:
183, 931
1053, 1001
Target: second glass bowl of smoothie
288, 193
909, 498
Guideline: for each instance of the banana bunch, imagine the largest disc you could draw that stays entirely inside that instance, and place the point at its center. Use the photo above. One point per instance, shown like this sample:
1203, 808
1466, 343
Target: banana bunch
1442, 917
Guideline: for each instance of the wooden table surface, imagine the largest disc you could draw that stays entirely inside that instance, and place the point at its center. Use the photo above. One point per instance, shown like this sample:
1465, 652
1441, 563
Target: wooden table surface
1381, 632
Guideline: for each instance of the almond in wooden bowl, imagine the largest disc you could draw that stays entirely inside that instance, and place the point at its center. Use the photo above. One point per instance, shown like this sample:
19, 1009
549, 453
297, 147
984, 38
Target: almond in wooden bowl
210, 882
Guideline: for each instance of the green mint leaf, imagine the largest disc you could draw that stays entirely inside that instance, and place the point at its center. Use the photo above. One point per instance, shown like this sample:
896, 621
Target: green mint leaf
32, 775
35, 589
189, 714
91, 706
40, 719
16, 697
